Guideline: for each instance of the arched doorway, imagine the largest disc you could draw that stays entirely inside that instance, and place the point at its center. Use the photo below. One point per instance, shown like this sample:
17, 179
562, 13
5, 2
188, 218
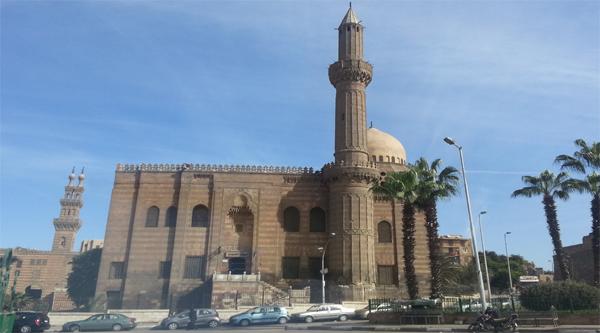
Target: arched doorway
237, 265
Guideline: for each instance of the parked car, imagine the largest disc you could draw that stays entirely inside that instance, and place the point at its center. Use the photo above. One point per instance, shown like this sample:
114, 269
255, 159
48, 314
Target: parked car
261, 315
30, 321
474, 305
208, 317
383, 307
101, 322
324, 312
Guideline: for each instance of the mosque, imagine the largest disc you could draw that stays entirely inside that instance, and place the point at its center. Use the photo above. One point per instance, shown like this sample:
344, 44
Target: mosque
172, 229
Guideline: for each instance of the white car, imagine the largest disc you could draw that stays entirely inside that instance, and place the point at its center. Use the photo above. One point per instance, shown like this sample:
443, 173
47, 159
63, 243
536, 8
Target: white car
324, 312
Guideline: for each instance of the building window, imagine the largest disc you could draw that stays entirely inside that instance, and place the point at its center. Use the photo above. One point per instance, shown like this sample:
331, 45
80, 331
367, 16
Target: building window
171, 220
318, 220
200, 216
384, 232
164, 270
314, 268
152, 217
193, 267
239, 228
116, 270
38, 262
19, 263
290, 267
386, 275
36, 273
291, 219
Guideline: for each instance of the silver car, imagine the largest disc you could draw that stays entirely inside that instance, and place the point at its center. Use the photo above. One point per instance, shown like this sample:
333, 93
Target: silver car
324, 312
208, 317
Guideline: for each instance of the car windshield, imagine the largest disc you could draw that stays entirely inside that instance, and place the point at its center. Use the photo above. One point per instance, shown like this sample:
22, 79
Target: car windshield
314, 308
251, 310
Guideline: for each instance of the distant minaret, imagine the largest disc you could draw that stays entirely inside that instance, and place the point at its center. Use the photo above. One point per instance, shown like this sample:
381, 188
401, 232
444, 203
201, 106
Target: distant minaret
67, 225
351, 258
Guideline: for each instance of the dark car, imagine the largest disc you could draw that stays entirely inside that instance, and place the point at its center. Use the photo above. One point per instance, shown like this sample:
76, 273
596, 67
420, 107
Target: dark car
30, 321
208, 317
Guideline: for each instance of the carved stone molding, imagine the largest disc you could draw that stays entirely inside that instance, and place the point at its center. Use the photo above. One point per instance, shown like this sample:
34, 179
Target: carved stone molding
350, 70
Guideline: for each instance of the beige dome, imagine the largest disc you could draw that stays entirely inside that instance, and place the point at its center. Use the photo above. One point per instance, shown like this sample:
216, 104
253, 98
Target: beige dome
384, 148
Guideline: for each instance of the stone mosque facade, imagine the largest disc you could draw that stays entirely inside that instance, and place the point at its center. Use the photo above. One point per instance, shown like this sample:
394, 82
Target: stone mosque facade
172, 228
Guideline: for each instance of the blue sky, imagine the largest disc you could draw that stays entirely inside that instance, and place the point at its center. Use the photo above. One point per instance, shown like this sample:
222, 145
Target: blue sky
95, 83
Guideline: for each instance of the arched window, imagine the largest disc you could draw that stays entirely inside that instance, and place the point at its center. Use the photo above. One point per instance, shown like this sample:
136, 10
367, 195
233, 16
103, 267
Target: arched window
380, 158
152, 217
384, 232
171, 220
374, 158
200, 216
393, 159
291, 219
318, 220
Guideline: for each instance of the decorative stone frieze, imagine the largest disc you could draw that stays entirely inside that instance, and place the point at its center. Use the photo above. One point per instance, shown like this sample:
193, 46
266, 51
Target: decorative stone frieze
352, 71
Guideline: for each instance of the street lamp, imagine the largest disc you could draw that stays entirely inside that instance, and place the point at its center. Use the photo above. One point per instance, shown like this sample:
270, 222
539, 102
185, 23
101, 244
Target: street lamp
475, 252
508, 263
323, 271
487, 274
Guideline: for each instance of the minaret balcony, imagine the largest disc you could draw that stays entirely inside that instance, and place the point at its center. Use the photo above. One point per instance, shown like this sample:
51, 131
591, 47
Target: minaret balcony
352, 71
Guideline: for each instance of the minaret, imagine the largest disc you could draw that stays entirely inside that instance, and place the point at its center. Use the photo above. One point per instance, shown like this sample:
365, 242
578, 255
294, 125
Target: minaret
351, 251
67, 225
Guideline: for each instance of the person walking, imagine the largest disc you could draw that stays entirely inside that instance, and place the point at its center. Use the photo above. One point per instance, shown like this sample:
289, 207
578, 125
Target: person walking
192, 324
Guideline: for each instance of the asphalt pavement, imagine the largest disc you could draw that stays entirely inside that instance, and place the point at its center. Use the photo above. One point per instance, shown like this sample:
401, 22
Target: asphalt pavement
356, 325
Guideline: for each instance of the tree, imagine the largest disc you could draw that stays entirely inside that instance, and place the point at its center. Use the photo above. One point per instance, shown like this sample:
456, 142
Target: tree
81, 283
550, 187
402, 187
433, 186
19, 301
588, 156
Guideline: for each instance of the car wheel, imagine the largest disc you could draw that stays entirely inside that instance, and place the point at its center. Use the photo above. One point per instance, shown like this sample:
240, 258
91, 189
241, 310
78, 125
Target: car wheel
309, 319
343, 318
117, 327
282, 320
25, 329
172, 326
74, 328
213, 323
244, 322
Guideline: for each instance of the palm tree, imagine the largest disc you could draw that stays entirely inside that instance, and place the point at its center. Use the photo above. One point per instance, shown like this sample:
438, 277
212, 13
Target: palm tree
401, 187
433, 186
550, 187
588, 156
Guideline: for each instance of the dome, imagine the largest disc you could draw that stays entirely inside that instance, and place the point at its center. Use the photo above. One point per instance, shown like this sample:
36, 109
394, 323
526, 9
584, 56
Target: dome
384, 148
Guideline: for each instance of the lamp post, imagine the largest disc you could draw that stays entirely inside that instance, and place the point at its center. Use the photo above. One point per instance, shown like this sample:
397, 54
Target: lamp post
552, 263
508, 263
475, 252
323, 271
487, 274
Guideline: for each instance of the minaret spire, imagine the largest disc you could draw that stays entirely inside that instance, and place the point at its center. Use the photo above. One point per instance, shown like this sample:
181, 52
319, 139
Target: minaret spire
352, 174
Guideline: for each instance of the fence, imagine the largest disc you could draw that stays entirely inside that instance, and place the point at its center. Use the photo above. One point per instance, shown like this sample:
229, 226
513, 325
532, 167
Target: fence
503, 304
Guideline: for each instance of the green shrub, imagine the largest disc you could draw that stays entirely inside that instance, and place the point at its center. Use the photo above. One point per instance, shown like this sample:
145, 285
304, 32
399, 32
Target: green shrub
563, 295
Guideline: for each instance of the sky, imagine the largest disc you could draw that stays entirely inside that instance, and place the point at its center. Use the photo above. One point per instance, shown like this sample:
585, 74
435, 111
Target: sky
96, 83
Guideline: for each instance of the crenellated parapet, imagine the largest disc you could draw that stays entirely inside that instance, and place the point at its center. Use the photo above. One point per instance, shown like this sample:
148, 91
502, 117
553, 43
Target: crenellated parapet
215, 168
352, 71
